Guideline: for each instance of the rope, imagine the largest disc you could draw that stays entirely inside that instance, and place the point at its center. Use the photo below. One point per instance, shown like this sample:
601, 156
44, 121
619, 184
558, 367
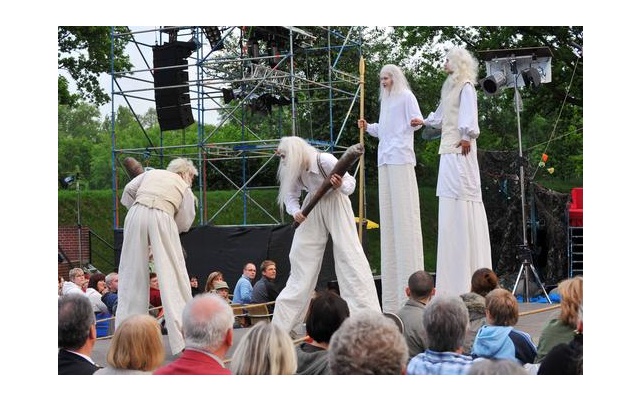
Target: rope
555, 125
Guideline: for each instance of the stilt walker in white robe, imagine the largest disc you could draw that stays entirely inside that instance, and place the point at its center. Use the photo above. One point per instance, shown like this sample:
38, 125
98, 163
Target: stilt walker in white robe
401, 252
161, 205
303, 168
463, 231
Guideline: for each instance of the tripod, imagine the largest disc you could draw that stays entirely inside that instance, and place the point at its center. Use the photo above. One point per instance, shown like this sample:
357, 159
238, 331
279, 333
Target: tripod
524, 251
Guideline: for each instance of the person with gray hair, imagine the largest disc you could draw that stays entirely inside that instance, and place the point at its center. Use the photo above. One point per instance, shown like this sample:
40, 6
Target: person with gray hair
75, 282
463, 231
266, 349
161, 205
445, 321
368, 343
76, 335
400, 228
207, 322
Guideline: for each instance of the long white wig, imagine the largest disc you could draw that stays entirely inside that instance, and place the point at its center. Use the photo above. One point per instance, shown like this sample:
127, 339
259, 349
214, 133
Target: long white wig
400, 82
464, 67
296, 156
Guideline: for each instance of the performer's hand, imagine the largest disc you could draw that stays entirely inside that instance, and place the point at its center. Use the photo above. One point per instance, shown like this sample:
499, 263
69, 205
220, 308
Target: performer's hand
336, 181
362, 123
416, 122
299, 217
466, 146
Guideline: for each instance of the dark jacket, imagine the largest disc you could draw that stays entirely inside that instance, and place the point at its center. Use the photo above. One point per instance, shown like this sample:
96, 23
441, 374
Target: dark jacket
73, 364
264, 291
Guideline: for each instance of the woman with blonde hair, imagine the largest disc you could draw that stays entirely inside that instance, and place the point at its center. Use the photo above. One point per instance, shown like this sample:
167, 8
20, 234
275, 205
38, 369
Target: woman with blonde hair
136, 347
266, 349
215, 276
562, 328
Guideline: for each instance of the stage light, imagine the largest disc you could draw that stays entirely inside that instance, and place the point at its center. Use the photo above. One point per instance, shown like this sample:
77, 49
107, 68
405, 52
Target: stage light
214, 36
531, 78
66, 181
493, 83
227, 95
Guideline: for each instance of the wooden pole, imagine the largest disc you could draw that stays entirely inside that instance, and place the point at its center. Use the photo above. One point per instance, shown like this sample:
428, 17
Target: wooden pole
361, 184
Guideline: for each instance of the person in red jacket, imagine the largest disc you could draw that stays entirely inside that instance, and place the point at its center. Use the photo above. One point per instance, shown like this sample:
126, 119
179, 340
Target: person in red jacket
207, 323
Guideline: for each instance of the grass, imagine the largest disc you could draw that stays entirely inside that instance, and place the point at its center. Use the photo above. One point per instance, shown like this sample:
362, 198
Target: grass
230, 208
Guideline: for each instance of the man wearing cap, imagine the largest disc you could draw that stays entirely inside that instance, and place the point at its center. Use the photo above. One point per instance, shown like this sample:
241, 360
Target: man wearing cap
222, 290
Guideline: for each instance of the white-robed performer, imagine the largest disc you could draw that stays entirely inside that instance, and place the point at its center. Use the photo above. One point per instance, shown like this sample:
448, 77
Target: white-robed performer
161, 205
463, 231
303, 168
400, 228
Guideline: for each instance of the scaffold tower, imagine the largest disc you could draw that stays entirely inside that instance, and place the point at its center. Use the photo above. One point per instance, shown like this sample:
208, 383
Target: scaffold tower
223, 97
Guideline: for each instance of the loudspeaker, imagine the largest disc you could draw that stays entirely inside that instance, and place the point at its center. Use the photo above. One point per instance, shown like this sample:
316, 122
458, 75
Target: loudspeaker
172, 118
171, 83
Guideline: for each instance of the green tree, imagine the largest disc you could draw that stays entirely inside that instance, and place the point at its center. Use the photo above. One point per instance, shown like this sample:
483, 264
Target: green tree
84, 52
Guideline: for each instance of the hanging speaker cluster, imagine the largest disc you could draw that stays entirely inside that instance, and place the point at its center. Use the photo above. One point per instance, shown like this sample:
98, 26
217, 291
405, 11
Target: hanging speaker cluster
171, 84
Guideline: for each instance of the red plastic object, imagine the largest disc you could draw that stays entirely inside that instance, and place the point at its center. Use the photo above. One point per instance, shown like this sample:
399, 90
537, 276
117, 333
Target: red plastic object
575, 207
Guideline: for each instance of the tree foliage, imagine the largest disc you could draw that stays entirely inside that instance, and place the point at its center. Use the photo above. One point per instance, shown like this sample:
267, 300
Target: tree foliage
551, 119
84, 52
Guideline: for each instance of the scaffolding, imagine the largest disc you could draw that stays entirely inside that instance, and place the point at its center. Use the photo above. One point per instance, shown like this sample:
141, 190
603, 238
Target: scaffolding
246, 88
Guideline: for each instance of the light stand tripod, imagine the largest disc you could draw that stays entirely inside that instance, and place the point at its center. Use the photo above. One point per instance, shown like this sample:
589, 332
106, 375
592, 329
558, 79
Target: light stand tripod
524, 251
535, 66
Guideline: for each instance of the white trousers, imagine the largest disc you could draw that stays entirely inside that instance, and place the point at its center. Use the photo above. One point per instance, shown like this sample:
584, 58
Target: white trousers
401, 251
332, 215
463, 244
144, 226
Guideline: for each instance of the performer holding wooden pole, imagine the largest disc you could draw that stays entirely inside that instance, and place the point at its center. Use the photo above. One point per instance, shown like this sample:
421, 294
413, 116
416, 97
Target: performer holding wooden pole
304, 168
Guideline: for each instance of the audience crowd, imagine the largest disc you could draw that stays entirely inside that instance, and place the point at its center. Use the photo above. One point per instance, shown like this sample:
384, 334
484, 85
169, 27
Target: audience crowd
473, 333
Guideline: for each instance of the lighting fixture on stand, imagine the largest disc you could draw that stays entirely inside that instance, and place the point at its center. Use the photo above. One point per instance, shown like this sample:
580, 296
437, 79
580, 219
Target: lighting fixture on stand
514, 68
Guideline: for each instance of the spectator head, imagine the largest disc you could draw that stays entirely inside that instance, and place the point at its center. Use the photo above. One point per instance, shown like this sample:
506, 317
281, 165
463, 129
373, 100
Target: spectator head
483, 281
268, 269
368, 343
266, 349
153, 280
249, 271
420, 286
137, 344
326, 313
76, 275
570, 291
502, 308
207, 323
76, 321
445, 320
215, 276
112, 282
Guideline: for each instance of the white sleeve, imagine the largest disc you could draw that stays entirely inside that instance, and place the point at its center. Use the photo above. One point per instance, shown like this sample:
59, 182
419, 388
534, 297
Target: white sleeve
329, 162
435, 118
468, 113
187, 211
292, 199
131, 190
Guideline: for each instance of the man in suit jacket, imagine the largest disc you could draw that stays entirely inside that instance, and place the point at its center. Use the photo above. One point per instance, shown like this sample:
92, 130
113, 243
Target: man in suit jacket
207, 323
76, 335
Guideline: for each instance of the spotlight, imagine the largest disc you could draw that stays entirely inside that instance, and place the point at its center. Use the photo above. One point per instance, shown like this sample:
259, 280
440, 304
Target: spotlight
228, 95
214, 36
66, 181
531, 77
492, 83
